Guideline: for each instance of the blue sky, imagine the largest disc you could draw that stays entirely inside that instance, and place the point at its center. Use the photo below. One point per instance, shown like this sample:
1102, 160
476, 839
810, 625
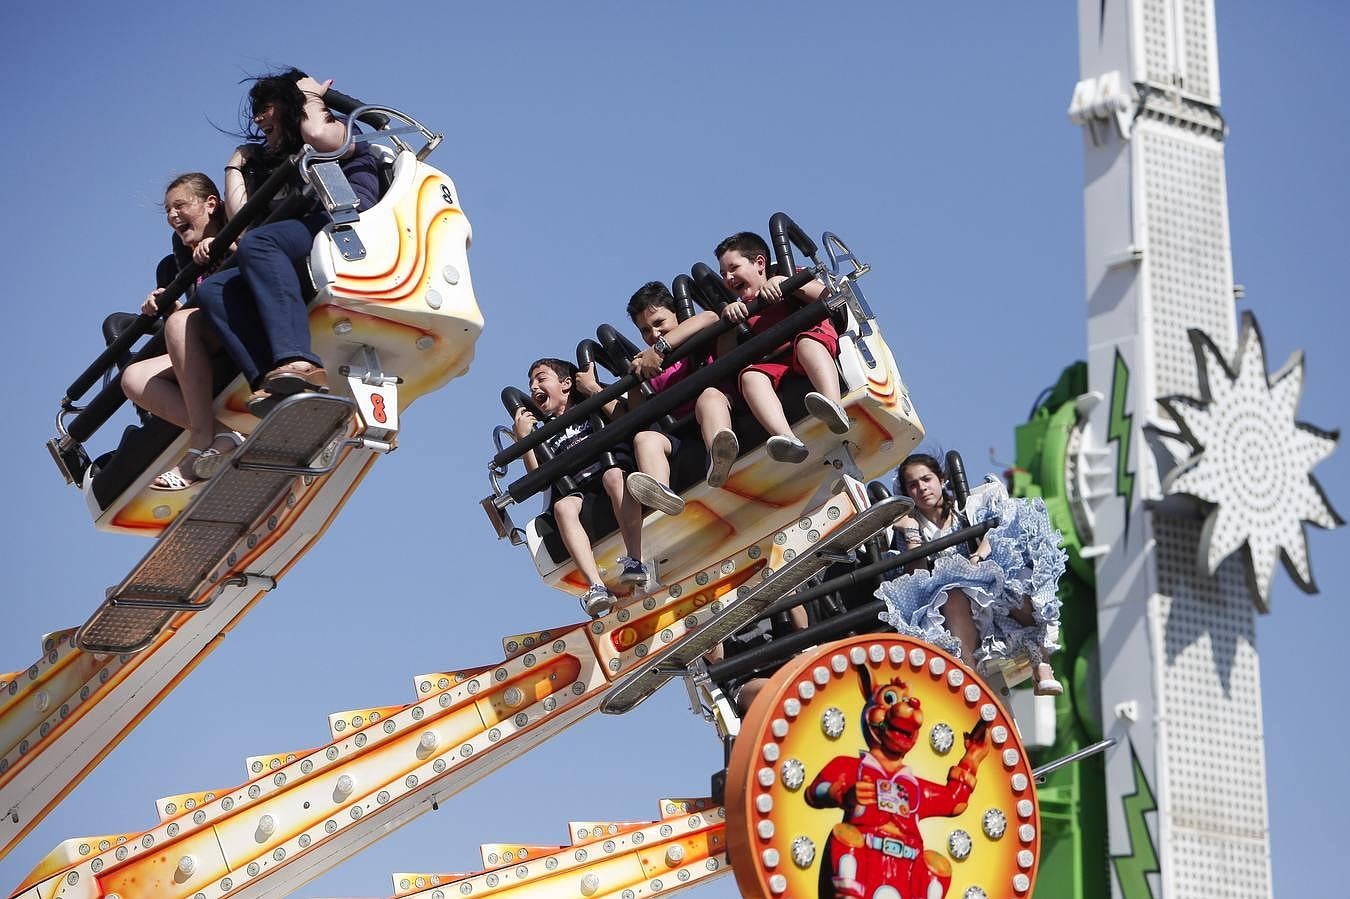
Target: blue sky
596, 146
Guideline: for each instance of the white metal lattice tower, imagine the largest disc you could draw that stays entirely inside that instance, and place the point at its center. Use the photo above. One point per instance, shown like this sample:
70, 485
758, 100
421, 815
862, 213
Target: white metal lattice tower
1186, 785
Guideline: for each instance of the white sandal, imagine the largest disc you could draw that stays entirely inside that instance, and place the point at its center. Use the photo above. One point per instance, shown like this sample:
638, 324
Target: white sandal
173, 478
210, 459
1046, 682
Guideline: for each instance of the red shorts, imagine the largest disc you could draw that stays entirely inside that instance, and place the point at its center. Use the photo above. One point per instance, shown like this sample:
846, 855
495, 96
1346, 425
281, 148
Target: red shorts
785, 359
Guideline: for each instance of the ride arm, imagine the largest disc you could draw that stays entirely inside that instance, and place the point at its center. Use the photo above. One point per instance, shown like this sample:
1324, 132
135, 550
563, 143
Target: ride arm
622, 385
624, 428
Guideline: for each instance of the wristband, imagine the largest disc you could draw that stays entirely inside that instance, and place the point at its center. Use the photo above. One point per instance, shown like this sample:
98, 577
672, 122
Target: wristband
662, 347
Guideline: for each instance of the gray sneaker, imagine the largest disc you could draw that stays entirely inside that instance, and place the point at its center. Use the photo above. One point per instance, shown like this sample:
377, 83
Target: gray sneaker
722, 455
787, 449
653, 494
633, 572
597, 600
826, 410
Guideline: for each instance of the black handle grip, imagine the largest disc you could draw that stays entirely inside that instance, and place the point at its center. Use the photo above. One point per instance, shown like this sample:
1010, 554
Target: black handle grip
800, 240
956, 476
877, 491
617, 345
341, 103
684, 292
784, 262
513, 399
588, 351
717, 294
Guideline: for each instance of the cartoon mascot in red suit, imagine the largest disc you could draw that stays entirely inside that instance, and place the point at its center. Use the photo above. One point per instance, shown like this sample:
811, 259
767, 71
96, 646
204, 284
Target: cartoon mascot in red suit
877, 852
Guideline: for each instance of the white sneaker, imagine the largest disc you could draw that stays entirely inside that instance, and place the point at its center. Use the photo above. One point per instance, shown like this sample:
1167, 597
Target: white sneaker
634, 572
787, 449
597, 600
826, 410
653, 494
722, 455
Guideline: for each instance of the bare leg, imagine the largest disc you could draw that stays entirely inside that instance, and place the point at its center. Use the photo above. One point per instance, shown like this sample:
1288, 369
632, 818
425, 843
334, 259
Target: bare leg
713, 412
745, 697
819, 366
185, 336
764, 403
627, 511
960, 621
567, 515
151, 385
652, 449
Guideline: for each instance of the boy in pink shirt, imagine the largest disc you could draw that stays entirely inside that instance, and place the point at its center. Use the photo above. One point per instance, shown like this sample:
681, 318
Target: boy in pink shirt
652, 309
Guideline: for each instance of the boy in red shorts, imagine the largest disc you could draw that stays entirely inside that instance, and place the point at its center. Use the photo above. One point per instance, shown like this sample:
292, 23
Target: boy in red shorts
744, 260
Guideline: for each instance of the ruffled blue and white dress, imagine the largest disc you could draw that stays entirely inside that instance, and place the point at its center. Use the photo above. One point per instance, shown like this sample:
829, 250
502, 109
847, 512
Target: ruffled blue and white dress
1025, 560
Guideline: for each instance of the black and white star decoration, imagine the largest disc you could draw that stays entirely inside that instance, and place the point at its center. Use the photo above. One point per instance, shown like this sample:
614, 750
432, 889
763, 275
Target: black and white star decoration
1252, 460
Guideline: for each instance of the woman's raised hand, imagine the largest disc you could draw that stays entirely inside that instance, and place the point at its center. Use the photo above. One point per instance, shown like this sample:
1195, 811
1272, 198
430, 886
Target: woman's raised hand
201, 253
311, 88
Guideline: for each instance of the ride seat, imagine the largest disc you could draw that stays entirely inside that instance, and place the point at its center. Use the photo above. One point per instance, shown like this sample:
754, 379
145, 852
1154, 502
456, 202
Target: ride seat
407, 296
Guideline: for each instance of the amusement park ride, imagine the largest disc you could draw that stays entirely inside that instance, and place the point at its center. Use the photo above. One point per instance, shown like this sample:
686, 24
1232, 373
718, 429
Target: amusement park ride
870, 765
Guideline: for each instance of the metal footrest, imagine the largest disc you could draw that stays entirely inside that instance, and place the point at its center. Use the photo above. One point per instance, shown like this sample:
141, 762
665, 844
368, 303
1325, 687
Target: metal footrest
174, 573
675, 660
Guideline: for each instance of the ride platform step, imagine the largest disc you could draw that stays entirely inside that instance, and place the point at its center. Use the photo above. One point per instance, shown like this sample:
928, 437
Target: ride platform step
171, 578
750, 603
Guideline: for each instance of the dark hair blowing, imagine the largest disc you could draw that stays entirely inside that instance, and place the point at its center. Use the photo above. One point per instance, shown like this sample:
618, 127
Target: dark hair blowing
653, 293
280, 90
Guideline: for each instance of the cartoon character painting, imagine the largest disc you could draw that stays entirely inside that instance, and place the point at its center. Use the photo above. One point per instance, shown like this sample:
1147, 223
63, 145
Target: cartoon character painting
877, 851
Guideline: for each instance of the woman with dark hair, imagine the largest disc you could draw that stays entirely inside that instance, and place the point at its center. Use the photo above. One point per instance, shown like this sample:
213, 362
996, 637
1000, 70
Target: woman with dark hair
258, 306
176, 386
998, 602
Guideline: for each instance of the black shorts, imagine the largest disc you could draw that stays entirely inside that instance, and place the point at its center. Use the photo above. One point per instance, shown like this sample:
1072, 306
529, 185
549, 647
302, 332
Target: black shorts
594, 484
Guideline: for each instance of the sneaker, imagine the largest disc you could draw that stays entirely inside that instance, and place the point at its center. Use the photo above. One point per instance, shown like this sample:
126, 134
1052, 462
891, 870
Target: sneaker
653, 494
634, 572
722, 455
826, 410
597, 600
787, 449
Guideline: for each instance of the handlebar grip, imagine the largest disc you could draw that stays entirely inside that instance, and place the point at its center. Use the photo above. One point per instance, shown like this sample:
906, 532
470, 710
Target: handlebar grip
684, 291
956, 476
340, 102
877, 491
513, 398
718, 295
797, 281
800, 239
784, 262
618, 345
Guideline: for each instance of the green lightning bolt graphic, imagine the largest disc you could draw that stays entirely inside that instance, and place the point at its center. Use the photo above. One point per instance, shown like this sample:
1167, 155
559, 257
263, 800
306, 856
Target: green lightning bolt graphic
1132, 870
1119, 431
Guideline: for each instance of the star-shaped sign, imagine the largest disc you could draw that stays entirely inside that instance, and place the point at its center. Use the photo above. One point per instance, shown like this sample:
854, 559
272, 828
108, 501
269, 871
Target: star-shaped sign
1252, 460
